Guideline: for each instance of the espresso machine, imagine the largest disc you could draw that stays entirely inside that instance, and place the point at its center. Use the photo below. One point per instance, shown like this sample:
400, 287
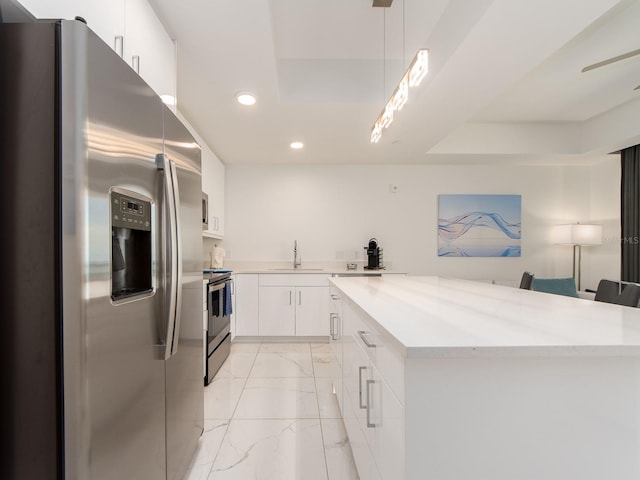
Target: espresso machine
374, 256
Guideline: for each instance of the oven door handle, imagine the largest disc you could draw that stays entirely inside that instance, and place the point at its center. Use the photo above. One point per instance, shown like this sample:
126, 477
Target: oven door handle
213, 287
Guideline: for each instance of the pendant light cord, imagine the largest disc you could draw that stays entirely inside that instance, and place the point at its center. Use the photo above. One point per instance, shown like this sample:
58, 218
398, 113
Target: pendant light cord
384, 48
384, 54
404, 48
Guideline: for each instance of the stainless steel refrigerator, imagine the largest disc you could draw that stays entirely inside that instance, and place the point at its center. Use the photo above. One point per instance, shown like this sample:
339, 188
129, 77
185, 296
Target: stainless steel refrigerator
101, 329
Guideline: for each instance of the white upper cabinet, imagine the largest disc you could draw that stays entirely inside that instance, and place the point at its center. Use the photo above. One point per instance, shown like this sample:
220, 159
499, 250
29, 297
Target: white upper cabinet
130, 27
148, 48
213, 184
106, 19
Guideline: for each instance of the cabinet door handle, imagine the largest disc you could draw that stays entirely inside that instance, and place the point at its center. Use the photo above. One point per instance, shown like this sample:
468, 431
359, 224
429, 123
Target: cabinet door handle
334, 297
289, 297
299, 297
335, 326
118, 45
332, 317
360, 404
135, 63
369, 423
362, 334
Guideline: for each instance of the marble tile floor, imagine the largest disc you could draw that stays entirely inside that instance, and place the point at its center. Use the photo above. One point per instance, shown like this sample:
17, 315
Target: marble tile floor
270, 414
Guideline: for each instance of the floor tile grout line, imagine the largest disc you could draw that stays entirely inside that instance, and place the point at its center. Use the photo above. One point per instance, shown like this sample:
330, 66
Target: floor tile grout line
244, 387
324, 444
322, 436
213, 462
226, 432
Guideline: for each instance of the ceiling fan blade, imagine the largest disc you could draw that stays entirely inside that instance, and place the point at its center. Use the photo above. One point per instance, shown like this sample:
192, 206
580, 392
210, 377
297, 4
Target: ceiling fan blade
624, 56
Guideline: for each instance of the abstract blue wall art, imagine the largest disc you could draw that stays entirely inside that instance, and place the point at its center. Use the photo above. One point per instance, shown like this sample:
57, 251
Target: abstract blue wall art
479, 225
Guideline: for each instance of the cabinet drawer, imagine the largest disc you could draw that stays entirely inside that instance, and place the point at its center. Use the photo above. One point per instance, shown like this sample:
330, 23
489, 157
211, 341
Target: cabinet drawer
335, 300
294, 280
381, 350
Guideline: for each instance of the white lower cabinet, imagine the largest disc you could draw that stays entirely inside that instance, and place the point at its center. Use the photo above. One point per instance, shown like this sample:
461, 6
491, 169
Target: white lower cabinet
312, 312
372, 414
246, 306
289, 311
294, 305
281, 305
386, 421
356, 371
335, 344
277, 311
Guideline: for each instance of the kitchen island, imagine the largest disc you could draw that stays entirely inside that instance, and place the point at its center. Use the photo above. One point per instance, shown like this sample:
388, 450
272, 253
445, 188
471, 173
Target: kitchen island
452, 379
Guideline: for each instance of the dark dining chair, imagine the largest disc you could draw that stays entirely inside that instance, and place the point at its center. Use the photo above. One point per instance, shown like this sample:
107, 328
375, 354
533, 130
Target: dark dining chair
620, 293
557, 286
526, 281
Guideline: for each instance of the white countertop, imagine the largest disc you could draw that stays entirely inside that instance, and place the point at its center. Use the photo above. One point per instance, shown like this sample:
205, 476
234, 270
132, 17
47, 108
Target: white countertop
440, 317
317, 271
318, 268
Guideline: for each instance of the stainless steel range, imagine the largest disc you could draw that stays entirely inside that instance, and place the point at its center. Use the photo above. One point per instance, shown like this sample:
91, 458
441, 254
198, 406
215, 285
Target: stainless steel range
218, 323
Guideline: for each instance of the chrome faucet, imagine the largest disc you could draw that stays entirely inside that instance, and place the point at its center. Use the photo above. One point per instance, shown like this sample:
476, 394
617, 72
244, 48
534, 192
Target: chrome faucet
296, 259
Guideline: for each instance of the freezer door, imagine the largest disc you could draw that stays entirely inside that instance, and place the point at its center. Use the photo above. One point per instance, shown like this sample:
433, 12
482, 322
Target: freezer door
114, 387
185, 389
30, 403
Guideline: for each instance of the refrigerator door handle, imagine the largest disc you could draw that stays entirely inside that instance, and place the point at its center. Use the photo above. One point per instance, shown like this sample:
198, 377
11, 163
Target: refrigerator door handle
174, 263
178, 256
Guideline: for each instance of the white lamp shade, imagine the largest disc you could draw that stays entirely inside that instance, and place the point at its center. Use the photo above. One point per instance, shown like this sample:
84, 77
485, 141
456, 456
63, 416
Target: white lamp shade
577, 234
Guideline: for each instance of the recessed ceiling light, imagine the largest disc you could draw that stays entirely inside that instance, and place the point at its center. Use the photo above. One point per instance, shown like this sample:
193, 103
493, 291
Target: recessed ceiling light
245, 98
296, 145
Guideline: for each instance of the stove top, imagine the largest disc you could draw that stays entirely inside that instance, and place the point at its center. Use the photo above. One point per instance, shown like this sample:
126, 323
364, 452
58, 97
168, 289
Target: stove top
216, 276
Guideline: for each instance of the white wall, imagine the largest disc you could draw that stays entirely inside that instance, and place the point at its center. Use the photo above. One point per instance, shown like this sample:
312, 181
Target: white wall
333, 211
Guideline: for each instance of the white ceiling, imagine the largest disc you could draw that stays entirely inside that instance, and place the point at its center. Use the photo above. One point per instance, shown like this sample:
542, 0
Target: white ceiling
505, 81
